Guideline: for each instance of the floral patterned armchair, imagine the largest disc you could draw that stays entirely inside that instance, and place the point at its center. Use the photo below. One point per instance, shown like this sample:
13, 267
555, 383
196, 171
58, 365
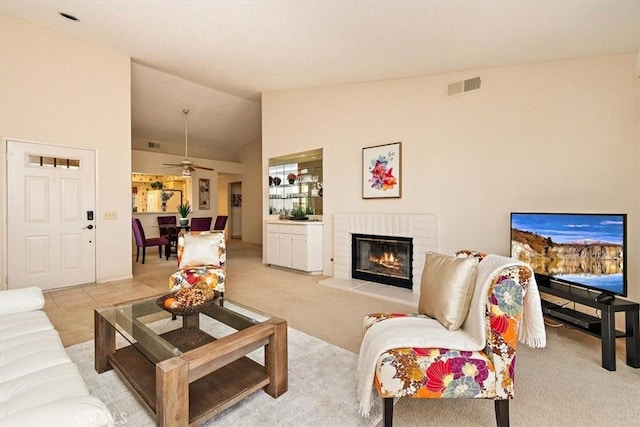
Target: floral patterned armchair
487, 373
201, 262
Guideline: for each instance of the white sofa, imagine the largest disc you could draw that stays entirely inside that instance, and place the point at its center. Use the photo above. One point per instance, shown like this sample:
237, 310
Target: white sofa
39, 384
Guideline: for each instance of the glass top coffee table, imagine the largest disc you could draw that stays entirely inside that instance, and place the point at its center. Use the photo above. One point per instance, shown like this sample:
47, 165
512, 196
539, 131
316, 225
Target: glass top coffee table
187, 370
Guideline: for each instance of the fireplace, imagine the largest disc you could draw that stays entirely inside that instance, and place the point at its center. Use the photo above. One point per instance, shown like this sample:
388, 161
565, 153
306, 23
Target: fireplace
382, 259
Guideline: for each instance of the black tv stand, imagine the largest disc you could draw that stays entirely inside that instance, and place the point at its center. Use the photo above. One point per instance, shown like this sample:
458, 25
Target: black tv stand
604, 327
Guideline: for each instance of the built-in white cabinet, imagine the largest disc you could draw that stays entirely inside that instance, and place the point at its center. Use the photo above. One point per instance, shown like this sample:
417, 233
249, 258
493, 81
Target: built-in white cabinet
295, 245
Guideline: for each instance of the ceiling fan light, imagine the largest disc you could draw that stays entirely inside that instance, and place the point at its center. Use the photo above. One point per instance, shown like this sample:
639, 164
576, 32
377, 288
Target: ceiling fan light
187, 165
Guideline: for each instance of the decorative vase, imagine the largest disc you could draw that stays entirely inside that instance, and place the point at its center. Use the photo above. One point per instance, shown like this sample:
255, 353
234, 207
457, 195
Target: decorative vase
163, 206
184, 221
277, 180
291, 181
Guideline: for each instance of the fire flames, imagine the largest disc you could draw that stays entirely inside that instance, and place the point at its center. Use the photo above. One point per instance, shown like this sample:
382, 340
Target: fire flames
388, 260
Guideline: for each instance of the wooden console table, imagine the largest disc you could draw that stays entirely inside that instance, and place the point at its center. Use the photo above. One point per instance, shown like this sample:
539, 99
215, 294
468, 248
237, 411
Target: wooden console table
604, 327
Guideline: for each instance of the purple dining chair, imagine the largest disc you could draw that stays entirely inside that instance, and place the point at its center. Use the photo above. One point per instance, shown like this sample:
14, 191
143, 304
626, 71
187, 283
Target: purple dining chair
201, 224
167, 225
221, 222
143, 242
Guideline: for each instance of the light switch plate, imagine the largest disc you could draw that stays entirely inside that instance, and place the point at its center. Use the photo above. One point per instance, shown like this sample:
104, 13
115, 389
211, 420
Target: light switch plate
110, 215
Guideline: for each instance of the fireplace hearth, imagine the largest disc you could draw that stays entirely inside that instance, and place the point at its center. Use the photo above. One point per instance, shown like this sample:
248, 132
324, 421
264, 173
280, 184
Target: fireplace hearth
382, 259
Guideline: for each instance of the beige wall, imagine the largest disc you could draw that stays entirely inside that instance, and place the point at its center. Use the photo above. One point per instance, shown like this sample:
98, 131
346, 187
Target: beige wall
250, 155
223, 192
559, 136
246, 170
142, 144
59, 90
148, 162
251, 180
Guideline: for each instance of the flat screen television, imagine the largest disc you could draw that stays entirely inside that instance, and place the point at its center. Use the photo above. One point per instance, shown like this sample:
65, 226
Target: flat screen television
582, 249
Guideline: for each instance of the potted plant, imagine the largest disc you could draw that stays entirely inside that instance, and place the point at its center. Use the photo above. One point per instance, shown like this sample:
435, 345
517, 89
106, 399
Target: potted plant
184, 210
164, 197
291, 178
298, 214
157, 185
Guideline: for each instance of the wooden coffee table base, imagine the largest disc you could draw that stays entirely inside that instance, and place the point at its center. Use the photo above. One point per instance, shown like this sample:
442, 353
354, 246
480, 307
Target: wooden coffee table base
191, 388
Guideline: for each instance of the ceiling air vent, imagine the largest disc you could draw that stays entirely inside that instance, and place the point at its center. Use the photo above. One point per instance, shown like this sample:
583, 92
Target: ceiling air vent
463, 87
154, 145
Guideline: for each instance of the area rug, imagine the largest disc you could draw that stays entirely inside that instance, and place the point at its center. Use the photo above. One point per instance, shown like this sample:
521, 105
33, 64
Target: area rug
322, 390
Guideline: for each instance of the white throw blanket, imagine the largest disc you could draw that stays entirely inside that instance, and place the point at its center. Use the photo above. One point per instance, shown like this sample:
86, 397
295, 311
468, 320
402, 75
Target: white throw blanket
424, 332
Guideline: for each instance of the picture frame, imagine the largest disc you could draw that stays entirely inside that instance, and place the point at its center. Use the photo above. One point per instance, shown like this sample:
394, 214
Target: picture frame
382, 171
203, 194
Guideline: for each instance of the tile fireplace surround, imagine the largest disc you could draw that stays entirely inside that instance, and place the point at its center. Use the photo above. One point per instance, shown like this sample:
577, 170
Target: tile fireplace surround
421, 227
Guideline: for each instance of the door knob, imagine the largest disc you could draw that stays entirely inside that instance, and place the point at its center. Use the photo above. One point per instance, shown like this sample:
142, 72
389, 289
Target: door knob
90, 227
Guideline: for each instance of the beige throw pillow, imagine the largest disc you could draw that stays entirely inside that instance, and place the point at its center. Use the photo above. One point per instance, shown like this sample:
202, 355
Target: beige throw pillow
201, 249
446, 288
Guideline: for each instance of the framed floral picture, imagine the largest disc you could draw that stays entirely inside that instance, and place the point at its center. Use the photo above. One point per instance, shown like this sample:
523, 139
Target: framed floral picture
203, 194
382, 171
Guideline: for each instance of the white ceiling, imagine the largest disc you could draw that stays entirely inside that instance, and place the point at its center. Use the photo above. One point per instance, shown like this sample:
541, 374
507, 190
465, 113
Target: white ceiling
217, 57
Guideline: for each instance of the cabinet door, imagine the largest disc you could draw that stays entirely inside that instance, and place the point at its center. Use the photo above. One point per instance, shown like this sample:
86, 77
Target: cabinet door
284, 250
314, 247
273, 246
299, 252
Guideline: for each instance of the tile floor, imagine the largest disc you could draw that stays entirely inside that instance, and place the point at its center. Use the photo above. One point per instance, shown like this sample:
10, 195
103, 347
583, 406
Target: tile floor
71, 309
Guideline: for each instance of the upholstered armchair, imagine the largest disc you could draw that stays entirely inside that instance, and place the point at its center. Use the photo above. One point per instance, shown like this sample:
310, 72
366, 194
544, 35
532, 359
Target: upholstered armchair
201, 262
463, 341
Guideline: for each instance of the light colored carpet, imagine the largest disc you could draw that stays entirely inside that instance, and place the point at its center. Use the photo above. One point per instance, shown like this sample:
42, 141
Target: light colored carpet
561, 385
322, 390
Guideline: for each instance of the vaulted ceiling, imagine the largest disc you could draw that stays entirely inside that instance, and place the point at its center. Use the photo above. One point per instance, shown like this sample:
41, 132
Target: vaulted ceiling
218, 57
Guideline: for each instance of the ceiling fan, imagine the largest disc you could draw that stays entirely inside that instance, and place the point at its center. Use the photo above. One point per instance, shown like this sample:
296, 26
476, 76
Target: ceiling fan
187, 165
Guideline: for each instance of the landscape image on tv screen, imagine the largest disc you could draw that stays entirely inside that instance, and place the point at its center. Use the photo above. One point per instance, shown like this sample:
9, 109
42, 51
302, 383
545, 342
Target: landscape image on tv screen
586, 249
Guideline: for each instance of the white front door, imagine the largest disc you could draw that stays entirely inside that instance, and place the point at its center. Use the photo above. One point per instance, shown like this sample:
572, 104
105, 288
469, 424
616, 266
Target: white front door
51, 216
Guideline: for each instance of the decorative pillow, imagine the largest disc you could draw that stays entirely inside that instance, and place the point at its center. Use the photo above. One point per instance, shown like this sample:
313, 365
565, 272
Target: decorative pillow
446, 288
180, 249
201, 249
463, 253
